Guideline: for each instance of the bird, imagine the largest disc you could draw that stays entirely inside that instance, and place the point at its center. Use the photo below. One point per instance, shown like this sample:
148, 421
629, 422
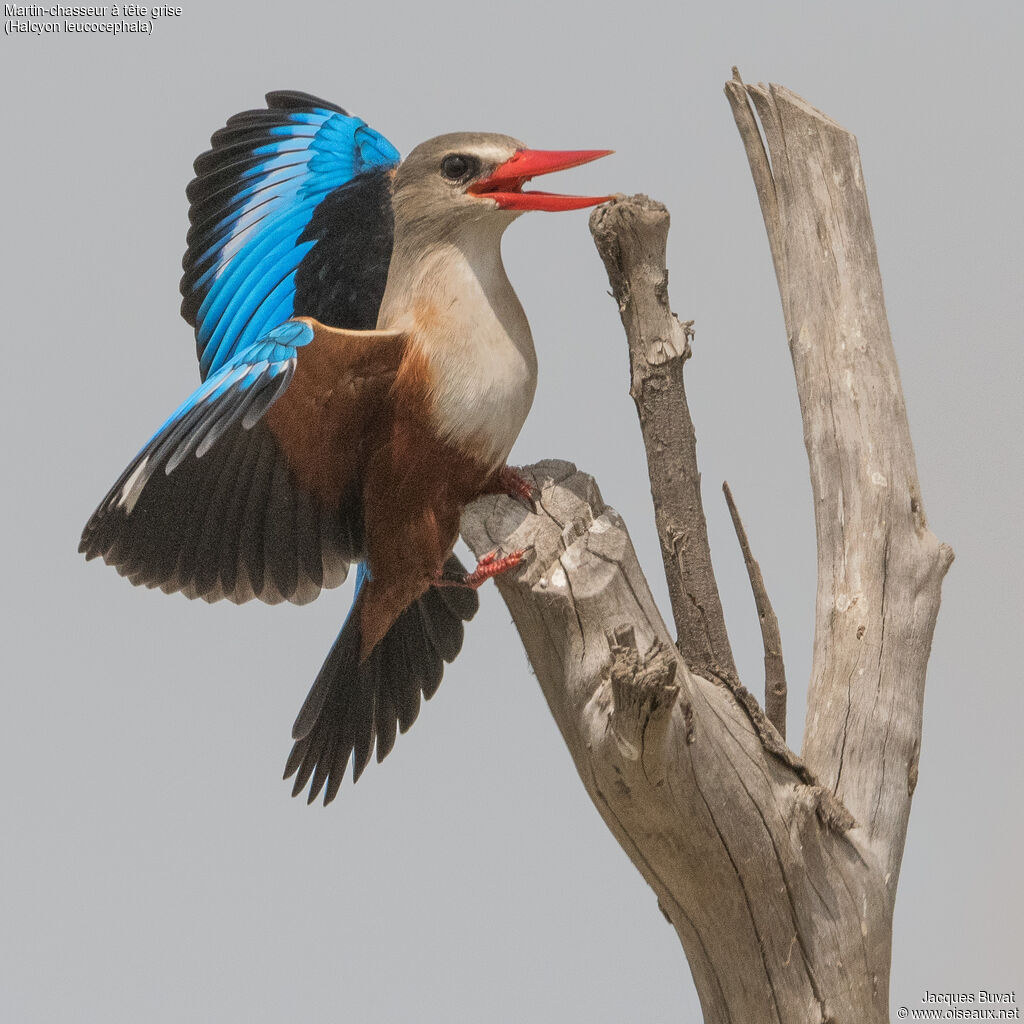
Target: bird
365, 370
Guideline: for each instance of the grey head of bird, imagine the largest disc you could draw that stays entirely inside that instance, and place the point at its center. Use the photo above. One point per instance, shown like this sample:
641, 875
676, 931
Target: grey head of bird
454, 181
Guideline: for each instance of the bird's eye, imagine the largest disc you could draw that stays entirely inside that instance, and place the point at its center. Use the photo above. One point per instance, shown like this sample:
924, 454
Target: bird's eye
455, 166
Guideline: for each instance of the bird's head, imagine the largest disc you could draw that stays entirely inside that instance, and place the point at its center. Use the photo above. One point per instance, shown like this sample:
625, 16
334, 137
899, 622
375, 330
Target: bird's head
471, 177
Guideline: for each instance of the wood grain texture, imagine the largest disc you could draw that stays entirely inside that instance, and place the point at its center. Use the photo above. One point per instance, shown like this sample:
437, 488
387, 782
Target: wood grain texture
879, 566
631, 236
760, 889
775, 689
778, 875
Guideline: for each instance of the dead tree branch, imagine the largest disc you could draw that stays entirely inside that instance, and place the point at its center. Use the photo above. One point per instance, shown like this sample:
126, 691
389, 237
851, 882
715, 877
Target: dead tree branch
631, 238
781, 899
774, 668
673, 763
879, 566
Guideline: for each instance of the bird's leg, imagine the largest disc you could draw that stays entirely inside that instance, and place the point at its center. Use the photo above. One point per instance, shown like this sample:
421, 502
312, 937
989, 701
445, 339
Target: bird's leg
488, 566
509, 480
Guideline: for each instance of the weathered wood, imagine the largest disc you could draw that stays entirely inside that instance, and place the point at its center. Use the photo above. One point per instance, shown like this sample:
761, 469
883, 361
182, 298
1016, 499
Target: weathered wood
781, 898
761, 891
775, 689
631, 237
879, 566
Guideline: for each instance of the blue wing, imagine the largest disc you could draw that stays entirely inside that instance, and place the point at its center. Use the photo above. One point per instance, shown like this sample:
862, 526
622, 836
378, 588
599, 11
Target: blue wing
290, 216
209, 506
240, 391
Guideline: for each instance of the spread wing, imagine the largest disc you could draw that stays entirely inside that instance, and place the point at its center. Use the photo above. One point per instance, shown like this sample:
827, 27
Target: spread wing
290, 216
251, 487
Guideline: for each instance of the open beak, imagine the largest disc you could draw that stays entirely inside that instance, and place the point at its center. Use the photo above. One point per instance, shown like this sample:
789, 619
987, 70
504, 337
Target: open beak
505, 184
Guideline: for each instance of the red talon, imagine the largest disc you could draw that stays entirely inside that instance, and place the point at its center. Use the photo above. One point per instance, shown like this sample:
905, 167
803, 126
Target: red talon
488, 566
491, 565
515, 485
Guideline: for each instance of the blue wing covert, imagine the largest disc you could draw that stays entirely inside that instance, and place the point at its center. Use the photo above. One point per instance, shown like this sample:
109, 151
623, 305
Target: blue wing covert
290, 216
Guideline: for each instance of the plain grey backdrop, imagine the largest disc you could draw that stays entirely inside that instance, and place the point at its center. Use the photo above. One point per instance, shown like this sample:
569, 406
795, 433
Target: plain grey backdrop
154, 867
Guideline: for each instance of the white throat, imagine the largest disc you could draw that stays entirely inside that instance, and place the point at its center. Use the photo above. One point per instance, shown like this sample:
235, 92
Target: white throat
455, 301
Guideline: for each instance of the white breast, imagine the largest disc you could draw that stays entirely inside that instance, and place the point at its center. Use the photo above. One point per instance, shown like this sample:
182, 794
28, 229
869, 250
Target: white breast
468, 322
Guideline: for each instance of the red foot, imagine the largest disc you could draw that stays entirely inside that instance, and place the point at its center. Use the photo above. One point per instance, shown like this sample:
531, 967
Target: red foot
488, 566
515, 485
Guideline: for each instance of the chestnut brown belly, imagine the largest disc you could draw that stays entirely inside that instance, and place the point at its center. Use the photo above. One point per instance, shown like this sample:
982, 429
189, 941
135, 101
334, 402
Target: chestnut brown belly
415, 489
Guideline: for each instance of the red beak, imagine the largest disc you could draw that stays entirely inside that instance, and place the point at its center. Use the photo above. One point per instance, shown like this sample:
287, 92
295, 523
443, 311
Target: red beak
505, 183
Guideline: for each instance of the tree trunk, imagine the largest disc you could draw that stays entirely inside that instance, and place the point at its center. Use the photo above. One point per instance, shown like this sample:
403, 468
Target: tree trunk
778, 874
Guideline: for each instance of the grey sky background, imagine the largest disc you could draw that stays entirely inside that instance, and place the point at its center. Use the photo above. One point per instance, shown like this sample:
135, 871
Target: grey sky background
154, 867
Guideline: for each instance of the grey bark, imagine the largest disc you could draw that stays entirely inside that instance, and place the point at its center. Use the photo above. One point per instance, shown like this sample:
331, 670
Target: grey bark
879, 566
631, 238
778, 875
775, 689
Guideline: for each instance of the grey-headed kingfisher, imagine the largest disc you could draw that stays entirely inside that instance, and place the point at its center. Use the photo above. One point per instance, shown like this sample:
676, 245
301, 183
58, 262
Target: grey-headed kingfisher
366, 368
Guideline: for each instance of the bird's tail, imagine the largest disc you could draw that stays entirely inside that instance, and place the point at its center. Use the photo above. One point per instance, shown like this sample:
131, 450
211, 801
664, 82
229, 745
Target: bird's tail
352, 703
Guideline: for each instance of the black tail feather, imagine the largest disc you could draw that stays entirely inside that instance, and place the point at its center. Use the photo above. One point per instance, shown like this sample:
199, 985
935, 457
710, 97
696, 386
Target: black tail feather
351, 704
